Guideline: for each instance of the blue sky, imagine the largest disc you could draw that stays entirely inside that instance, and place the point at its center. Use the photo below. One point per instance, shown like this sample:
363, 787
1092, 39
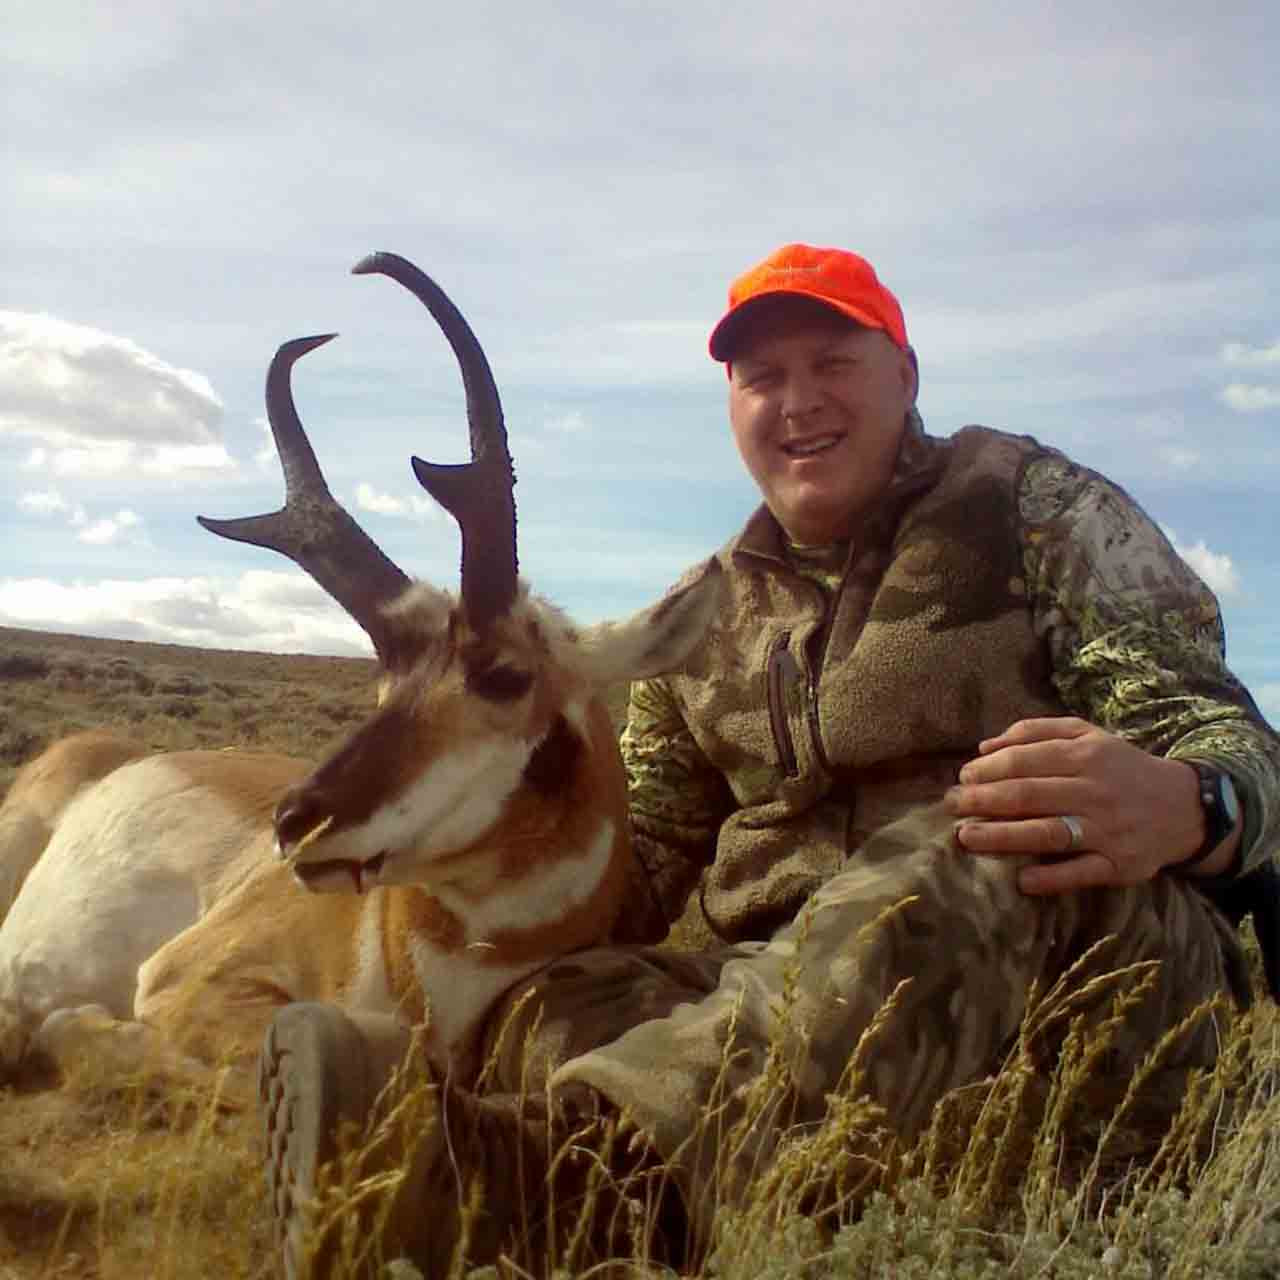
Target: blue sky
1078, 205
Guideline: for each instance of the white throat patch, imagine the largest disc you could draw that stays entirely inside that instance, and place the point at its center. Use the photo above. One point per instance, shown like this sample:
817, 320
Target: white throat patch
543, 899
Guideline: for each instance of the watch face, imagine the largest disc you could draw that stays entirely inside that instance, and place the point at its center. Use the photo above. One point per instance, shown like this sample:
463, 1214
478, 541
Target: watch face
1230, 801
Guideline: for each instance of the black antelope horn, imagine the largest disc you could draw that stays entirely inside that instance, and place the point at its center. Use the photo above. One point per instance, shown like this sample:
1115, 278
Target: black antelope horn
313, 528
478, 494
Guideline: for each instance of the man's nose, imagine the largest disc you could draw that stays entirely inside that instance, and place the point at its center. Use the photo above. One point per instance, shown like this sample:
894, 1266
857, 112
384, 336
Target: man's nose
800, 396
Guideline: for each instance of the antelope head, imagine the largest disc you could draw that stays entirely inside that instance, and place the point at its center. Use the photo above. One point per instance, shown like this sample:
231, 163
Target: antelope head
491, 746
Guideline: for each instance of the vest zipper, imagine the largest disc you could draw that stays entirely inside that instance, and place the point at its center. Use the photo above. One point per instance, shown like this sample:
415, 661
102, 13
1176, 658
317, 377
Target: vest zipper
815, 729
781, 667
816, 657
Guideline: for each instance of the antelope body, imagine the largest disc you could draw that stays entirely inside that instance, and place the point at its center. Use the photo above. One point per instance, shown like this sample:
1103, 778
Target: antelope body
471, 831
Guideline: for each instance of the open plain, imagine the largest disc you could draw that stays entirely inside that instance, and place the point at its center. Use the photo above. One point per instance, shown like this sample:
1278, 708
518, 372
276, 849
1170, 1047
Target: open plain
101, 1179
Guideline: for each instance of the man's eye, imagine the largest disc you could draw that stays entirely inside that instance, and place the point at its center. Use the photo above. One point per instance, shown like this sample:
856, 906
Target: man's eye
499, 683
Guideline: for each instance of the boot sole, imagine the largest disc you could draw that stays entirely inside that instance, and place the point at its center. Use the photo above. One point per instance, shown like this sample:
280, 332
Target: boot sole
312, 1079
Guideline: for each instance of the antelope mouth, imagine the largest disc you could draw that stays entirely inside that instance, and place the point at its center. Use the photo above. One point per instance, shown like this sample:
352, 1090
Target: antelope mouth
340, 875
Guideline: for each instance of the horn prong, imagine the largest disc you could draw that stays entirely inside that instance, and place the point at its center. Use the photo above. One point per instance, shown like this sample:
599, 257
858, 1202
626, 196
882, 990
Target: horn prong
313, 529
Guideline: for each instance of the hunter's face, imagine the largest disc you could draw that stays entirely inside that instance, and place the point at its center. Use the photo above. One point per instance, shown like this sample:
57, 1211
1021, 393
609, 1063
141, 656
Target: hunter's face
818, 407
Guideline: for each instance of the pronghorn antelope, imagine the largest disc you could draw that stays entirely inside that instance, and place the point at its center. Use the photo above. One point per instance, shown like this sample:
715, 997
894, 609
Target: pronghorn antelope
473, 829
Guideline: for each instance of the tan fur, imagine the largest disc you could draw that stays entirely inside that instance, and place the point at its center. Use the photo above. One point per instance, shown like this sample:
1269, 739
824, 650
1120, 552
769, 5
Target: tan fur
509, 890
41, 792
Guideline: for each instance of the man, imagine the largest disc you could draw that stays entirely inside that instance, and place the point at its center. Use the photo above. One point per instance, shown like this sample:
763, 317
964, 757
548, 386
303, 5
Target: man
964, 715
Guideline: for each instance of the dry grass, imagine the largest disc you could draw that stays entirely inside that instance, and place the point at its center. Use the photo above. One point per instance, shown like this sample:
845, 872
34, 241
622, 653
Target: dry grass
169, 697
104, 1179
96, 1179
1012, 1180
1076, 1177
1019, 1176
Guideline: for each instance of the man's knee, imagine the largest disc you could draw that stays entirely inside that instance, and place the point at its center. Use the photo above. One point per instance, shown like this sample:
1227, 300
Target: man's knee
586, 1000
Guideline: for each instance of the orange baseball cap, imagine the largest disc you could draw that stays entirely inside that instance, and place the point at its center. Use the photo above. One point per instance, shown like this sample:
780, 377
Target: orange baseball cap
842, 280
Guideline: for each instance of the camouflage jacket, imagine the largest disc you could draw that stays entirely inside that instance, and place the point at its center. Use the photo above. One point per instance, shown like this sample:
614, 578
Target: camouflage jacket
997, 580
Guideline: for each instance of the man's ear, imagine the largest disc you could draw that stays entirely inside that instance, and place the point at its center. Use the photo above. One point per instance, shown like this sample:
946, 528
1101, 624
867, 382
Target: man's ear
911, 373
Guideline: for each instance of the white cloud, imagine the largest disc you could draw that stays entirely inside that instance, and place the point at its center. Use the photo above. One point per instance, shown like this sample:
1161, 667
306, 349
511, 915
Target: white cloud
1215, 568
50, 502
1170, 439
415, 507
266, 457
96, 533
270, 612
1180, 458
99, 532
109, 529
93, 460
1246, 398
100, 402
123, 457
568, 424
283, 589
1239, 353
44, 502
172, 459
369, 499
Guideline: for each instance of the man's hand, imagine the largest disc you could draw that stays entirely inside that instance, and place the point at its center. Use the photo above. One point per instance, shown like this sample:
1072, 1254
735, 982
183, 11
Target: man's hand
1137, 812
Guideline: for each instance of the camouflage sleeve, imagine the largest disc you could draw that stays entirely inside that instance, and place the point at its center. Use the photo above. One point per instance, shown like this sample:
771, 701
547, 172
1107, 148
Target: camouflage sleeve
678, 800
1136, 639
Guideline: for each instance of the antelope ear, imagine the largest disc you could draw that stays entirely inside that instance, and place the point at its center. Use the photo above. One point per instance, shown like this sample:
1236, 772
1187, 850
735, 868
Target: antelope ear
417, 623
657, 639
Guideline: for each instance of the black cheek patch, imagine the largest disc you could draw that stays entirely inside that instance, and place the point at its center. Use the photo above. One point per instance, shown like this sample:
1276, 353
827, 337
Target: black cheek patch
551, 767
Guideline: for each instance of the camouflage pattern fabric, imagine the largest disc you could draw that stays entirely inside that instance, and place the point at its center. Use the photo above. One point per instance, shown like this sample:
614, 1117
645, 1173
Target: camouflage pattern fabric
681, 1042
792, 770
1000, 580
1136, 639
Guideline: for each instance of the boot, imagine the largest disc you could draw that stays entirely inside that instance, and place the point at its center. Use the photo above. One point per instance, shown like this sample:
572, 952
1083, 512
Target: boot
361, 1172
319, 1076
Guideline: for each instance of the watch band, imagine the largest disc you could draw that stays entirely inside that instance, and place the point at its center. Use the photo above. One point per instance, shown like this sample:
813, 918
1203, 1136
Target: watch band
1221, 810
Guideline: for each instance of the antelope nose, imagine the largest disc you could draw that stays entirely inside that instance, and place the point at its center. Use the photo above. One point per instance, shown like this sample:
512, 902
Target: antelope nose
298, 814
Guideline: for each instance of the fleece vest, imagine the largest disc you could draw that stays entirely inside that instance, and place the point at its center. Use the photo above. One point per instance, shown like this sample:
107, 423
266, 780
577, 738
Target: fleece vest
831, 714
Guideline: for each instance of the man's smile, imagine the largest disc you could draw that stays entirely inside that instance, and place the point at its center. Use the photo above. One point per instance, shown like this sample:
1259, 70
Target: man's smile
810, 446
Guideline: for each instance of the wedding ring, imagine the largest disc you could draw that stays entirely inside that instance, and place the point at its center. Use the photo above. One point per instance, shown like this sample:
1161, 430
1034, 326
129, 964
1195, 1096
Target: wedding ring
1075, 833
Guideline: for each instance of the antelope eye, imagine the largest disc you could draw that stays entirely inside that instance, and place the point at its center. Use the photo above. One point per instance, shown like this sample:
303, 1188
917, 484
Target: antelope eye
499, 683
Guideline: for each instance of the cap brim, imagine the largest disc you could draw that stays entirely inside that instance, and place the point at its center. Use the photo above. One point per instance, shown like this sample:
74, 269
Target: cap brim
727, 335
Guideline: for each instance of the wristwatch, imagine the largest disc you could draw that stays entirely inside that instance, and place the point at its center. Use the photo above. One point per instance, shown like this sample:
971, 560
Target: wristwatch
1221, 807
